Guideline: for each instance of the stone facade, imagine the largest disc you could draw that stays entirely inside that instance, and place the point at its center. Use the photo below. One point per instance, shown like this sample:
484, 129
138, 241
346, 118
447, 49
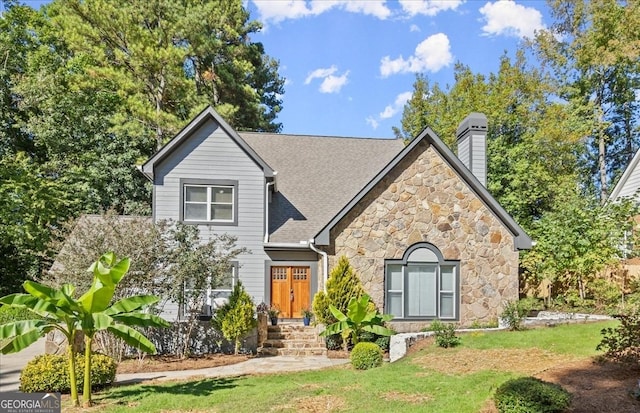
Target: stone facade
424, 200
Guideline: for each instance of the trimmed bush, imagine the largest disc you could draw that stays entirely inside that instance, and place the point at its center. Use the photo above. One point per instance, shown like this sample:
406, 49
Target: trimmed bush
366, 355
49, 373
10, 314
342, 285
531, 395
445, 334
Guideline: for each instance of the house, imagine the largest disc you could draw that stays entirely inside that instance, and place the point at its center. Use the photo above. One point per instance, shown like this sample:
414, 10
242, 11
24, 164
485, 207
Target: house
420, 229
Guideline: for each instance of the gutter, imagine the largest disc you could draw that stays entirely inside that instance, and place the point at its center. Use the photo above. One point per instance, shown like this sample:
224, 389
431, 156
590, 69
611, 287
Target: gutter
325, 264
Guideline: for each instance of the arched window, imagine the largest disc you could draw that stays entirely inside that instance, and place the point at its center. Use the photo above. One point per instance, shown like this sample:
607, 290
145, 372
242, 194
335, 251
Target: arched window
422, 285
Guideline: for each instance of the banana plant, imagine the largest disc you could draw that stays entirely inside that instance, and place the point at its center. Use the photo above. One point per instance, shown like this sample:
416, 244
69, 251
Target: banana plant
359, 318
91, 313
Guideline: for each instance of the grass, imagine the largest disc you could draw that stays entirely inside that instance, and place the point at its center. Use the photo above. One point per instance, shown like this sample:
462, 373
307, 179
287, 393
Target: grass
404, 386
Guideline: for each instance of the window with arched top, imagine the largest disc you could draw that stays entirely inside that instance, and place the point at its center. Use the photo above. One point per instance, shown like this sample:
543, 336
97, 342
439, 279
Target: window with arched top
422, 285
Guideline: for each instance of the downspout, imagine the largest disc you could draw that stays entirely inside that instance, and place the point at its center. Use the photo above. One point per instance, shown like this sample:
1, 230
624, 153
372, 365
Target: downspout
266, 211
325, 264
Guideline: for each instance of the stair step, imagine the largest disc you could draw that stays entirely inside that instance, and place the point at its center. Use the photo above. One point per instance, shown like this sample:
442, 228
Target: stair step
271, 351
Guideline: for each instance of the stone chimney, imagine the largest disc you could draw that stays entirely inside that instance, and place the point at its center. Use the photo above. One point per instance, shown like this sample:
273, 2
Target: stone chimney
472, 145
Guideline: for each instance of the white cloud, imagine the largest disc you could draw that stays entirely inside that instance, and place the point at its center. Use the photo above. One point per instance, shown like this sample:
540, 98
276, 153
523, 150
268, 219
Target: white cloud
432, 54
330, 83
371, 121
509, 18
278, 10
333, 84
428, 7
414, 28
391, 110
320, 74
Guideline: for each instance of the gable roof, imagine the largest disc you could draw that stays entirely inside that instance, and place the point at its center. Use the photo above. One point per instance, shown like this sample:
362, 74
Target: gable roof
317, 176
207, 114
522, 240
629, 182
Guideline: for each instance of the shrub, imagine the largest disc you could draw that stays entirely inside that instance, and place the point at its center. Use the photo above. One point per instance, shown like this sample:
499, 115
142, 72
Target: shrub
49, 373
10, 314
531, 395
237, 318
622, 344
366, 355
514, 314
383, 342
333, 342
445, 334
343, 284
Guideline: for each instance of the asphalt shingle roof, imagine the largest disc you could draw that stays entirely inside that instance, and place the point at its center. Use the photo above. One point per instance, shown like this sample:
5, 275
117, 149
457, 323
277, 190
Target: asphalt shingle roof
316, 177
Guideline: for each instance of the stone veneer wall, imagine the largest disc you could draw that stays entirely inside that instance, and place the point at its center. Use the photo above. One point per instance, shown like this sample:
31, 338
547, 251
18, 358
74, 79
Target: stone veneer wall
423, 200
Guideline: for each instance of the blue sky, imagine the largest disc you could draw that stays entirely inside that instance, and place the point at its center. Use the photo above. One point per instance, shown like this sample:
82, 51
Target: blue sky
350, 65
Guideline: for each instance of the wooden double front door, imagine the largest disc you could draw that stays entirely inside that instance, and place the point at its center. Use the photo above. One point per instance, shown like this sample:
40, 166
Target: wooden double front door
290, 290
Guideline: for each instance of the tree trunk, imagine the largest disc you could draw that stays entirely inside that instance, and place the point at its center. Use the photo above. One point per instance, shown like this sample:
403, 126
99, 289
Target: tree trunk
73, 381
86, 390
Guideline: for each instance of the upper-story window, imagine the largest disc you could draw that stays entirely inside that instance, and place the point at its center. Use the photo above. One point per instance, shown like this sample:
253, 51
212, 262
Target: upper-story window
210, 202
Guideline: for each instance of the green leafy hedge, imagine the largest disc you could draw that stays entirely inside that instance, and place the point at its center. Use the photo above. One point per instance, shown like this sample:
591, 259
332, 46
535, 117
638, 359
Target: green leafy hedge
49, 373
531, 395
9, 314
366, 355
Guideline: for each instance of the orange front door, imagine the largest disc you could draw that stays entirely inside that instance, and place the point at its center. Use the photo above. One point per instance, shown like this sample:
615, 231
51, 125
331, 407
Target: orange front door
290, 290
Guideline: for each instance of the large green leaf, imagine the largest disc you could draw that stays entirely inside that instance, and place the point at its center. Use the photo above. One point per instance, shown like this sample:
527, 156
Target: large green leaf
19, 300
336, 328
40, 291
119, 270
17, 328
97, 299
141, 319
18, 343
126, 305
337, 313
132, 337
379, 330
101, 321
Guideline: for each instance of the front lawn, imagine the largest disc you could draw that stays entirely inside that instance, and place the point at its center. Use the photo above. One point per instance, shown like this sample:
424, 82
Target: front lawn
430, 379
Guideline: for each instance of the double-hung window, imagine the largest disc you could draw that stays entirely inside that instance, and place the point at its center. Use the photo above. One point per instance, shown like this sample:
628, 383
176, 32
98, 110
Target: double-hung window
209, 202
422, 285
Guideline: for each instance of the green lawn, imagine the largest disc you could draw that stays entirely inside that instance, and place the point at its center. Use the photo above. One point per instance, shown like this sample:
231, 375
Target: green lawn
404, 386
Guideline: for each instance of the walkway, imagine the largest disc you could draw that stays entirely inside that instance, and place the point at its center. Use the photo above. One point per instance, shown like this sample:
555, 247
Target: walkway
12, 364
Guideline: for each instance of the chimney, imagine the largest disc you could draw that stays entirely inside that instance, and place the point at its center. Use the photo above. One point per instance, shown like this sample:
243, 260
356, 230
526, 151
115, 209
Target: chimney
472, 145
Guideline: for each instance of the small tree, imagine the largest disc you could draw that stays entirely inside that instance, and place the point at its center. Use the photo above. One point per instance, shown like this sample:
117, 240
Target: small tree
343, 285
192, 268
236, 318
358, 319
90, 313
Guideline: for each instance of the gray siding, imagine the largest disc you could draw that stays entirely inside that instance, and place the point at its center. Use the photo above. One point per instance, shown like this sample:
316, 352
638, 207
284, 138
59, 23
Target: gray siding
211, 154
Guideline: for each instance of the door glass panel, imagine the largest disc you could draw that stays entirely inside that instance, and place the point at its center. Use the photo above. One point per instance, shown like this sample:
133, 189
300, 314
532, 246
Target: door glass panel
421, 290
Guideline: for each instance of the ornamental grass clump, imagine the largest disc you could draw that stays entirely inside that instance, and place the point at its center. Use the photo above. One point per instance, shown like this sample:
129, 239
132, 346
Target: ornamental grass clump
366, 355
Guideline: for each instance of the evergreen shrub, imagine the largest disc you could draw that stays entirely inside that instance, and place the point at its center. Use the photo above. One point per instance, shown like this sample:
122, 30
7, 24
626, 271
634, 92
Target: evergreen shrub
531, 395
49, 373
366, 355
